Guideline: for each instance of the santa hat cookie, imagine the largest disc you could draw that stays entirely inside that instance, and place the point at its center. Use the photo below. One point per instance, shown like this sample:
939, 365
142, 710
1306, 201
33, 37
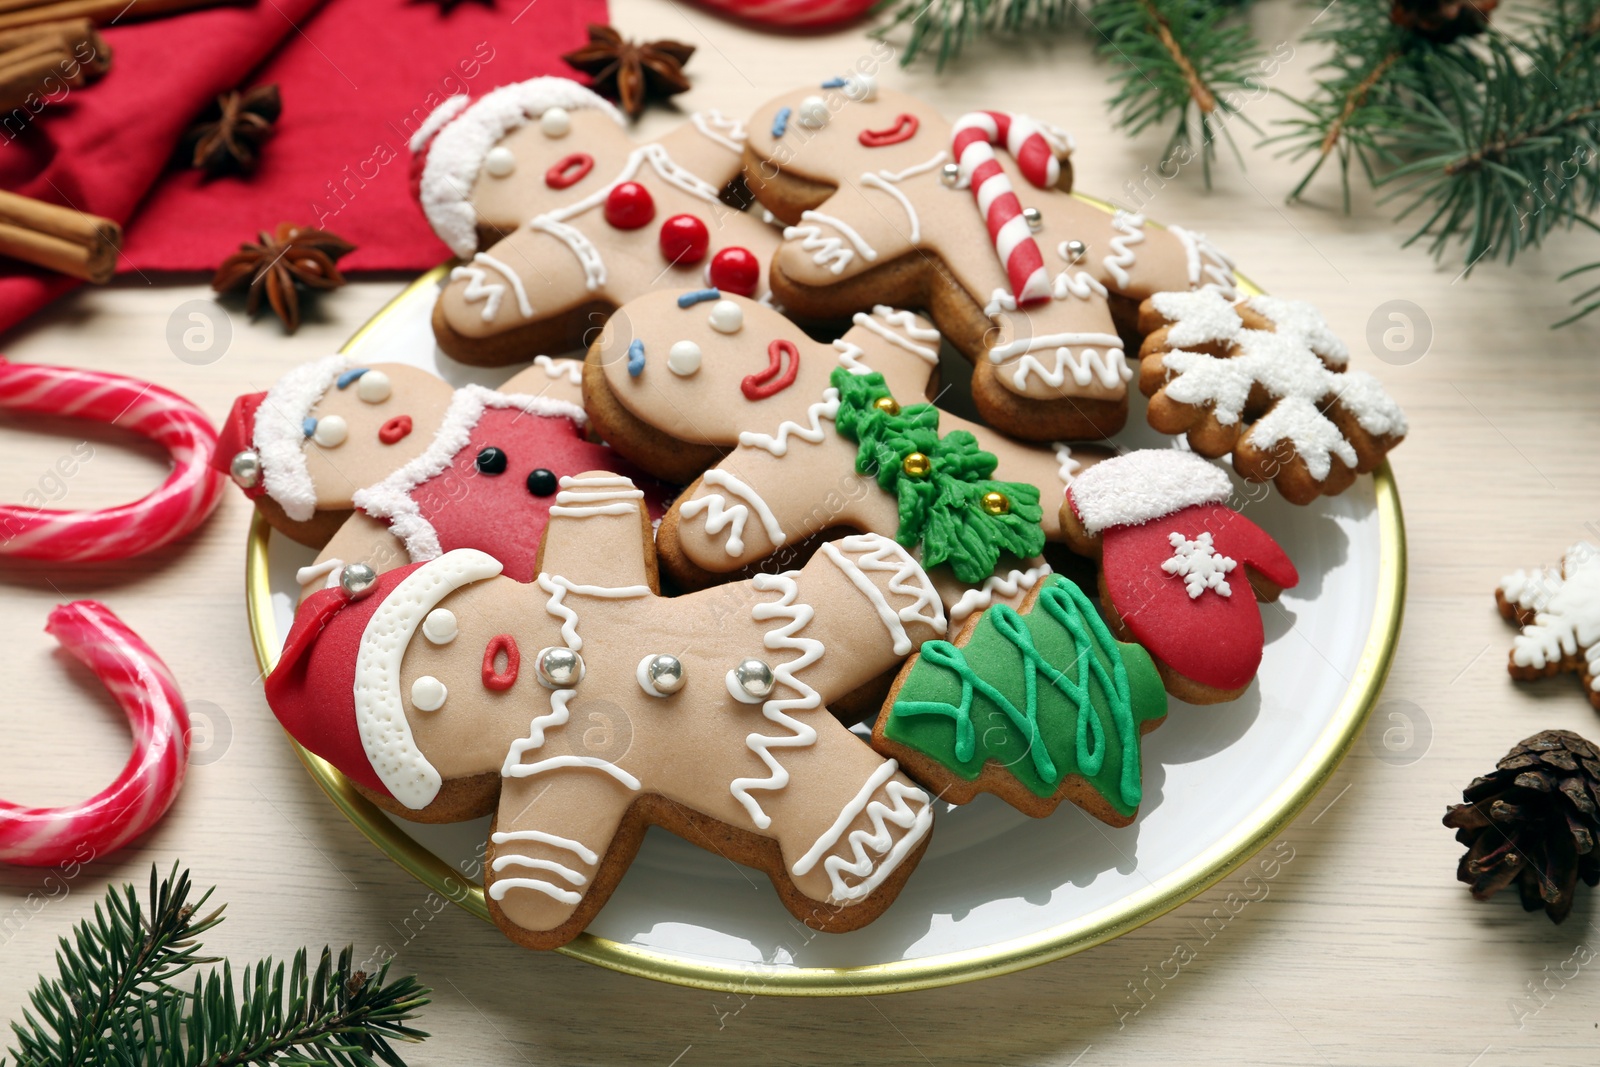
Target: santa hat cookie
1180, 571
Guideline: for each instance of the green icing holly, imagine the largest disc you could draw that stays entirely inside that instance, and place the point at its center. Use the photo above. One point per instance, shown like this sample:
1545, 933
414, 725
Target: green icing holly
942, 508
1045, 695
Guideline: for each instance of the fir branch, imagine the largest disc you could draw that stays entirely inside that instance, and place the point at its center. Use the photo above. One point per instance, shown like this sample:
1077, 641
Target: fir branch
114, 1001
953, 24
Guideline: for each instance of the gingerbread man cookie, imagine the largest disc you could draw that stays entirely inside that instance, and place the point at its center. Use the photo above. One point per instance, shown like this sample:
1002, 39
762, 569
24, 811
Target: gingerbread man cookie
1180, 571
890, 203
558, 217
583, 707
1036, 705
1265, 379
1559, 612
814, 437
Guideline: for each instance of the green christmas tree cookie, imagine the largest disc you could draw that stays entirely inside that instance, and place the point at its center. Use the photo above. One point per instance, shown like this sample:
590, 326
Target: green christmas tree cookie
1035, 706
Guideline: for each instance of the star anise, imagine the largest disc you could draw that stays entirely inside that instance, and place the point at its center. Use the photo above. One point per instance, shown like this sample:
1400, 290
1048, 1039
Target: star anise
630, 72
230, 134
279, 265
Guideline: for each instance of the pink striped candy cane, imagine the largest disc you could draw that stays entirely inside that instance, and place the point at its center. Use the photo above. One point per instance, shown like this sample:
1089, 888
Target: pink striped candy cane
177, 506
141, 794
792, 14
975, 134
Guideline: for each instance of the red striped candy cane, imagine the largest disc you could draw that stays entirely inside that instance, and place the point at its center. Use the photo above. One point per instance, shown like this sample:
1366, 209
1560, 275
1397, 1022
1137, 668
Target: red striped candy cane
141, 794
174, 508
975, 134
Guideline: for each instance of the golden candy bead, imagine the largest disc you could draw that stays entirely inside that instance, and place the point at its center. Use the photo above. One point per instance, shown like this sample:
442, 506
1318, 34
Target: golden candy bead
887, 405
996, 503
918, 465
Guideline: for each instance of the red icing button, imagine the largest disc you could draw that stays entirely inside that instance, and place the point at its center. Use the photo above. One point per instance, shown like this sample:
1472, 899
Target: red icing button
493, 677
684, 239
569, 170
630, 206
903, 128
395, 430
736, 270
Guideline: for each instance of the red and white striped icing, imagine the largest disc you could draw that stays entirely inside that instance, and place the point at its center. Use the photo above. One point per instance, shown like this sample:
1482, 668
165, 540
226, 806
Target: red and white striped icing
975, 135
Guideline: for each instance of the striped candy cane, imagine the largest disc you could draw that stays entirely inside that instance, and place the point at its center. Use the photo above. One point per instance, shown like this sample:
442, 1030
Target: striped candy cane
174, 508
975, 134
141, 794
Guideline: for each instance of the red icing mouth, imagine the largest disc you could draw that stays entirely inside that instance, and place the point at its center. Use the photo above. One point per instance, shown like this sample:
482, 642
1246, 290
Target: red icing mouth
493, 677
395, 430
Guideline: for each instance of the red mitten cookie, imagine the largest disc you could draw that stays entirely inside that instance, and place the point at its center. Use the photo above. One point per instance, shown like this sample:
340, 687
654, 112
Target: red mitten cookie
1180, 571
974, 221
582, 708
558, 217
1559, 612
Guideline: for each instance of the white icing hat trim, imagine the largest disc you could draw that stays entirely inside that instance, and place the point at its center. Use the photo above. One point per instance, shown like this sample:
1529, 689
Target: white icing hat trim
280, 438
380, 708
391, 498
1144, 485
457, 151
436, 121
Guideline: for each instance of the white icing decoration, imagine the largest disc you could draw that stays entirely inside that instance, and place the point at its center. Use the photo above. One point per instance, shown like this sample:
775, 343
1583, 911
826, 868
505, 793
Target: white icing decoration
479, 287
811, 432
979, 598
437, 120
726, 317
1303, 322
877, 838
683, 358
468, 134
501, 162
1130, 231
279, 436
812, 113
729, 133
502, 862
570, 369
1067, 463
588, 256
331, 431
1099, 357
783, 638
850, 356
1207, 264
440, 626
1567, 606
391, 499
330, 569
874, 181
379, 711
1080, 284
501, 886
1134, 488
555, 763
829, 250
577, 848
558, 588
719, 515
1199, 564
428, 693
878, 554
1198, 318
883, 322
555, 123
373, 387
582, 498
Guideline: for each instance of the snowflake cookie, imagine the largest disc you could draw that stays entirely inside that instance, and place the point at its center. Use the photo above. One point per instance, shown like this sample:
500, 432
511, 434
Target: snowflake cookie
1559, 612
1265, 379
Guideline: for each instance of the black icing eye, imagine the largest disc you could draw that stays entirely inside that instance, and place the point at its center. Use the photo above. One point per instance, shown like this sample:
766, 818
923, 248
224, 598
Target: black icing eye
492, 461
541, 482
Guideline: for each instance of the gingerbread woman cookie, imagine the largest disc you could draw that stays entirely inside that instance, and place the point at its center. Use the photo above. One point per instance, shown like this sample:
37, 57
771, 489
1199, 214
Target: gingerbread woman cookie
1265, 379
583, 707
890, 203
1180, 571
558, 217
814, 437
1559, 612
1036, 705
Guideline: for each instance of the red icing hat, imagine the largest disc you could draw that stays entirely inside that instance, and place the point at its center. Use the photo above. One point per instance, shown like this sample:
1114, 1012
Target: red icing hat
238, 435
336, 687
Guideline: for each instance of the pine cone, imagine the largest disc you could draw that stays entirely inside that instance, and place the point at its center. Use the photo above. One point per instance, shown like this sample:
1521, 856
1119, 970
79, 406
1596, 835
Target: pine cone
1443, 20
1533, 821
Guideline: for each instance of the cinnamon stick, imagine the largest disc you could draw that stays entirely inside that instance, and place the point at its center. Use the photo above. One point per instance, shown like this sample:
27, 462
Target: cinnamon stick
15, 13
58, 238
77, 36
29, 74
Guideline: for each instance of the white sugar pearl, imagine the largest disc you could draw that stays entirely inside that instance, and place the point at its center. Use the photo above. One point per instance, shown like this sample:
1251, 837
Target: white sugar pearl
428, 693
726, 316
813, 113
683, 358
555, 122
373, 387
331, 431
440, 626
861, 87
500, 162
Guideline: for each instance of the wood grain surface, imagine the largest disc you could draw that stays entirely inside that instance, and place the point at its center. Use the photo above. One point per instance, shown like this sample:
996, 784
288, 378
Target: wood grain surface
1361, 949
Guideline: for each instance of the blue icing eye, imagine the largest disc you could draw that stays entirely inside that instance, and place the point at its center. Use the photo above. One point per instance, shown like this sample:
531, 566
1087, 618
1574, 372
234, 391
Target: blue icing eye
698, 296
636, 358
347, 377
308, 426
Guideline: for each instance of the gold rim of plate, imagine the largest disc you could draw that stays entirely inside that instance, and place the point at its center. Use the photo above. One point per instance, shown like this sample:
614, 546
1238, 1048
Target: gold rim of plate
1243, 841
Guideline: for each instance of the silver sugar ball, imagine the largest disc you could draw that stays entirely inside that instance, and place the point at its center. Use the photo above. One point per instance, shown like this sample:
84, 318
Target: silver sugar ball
666, 673
1034, 220
559, 668
246, 469
754, 678
357, 579
1076, 250
950, 174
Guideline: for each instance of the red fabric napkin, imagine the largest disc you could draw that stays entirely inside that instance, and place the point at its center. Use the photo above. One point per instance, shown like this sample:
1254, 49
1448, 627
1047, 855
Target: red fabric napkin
356, 77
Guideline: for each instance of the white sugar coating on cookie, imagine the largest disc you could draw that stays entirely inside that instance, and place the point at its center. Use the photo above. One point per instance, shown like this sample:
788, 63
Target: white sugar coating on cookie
1375, 410
1316, 440
279, 435
458, 151
1140, 486
1304, 322
1567, 622
1201, 317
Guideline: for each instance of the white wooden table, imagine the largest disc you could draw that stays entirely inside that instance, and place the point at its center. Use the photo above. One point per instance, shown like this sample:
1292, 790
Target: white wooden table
1363, 949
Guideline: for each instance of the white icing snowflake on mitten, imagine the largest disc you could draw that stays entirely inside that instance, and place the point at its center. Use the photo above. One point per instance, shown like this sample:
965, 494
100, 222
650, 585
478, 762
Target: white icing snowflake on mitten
1559, 612
1252, 375
1199, 564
